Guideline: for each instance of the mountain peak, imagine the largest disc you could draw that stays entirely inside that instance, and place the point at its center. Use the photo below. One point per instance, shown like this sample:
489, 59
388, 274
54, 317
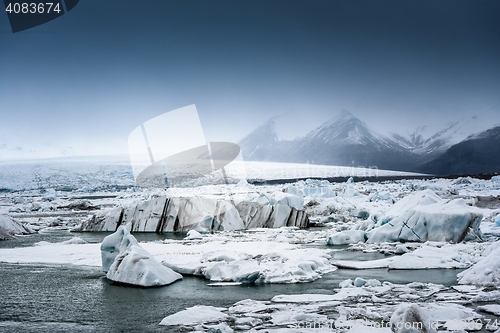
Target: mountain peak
345, 113
491, 133
345, 128
260, 143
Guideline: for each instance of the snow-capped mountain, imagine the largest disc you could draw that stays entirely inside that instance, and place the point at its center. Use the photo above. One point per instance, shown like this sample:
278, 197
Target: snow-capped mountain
417, 142
260, 144
345, 140
346, 128
478, 153
433, 139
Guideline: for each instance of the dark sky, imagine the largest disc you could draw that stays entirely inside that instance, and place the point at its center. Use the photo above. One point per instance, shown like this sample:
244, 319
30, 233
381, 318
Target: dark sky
88, 78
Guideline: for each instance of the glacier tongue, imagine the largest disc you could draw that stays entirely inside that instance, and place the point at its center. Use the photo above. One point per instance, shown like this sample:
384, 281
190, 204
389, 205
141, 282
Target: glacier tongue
125, 261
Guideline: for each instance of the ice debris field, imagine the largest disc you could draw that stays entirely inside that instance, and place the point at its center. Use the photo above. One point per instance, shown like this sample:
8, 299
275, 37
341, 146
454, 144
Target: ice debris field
241, 234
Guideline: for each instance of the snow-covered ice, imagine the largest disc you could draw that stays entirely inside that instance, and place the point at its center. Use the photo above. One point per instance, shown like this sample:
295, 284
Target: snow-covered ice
346, 237
486, 271
440, 221
446, 215
195, 315
383, 308
430, 255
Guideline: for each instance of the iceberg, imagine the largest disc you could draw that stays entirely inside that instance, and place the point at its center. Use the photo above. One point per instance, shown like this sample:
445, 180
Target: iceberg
486, 271
9, 228
203, 214
411, 318
346, 237
125, 261
440, 221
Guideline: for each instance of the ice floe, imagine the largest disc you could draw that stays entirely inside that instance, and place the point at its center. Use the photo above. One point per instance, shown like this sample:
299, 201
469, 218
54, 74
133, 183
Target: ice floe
195, 315
356, 309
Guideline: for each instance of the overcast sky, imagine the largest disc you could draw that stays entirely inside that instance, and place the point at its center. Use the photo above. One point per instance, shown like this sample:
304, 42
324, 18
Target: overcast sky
84, 81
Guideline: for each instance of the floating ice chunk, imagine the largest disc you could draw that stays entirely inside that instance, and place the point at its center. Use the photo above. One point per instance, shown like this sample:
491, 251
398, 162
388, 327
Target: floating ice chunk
74, 240
238, 271
495, 179
346, 284
218, 328
9, 228
359, 282
452, 221
193, 234
125, 261
497, 220
434, 312
346, 237
224, 284
401, 249
373, 283
490, 308
486, 271
113, 245
410, 318
420, 198
198, 314
137, 267
428, 256
341, 295
247, 262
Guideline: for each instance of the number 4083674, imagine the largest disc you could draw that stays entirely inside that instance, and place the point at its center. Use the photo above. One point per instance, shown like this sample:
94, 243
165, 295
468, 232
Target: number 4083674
32, 8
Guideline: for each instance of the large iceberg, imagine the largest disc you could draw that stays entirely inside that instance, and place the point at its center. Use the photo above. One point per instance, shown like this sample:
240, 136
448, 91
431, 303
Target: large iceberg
180, 214
434, 219
125, 261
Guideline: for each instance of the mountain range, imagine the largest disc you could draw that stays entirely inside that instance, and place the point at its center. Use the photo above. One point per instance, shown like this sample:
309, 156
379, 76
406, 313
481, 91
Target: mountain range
345, 140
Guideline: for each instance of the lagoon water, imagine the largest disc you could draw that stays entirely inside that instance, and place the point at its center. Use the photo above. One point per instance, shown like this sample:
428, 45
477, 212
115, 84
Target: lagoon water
80, 299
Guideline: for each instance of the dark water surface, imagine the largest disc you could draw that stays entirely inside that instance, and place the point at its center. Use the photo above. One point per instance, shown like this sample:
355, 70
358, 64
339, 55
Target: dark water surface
80, 299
